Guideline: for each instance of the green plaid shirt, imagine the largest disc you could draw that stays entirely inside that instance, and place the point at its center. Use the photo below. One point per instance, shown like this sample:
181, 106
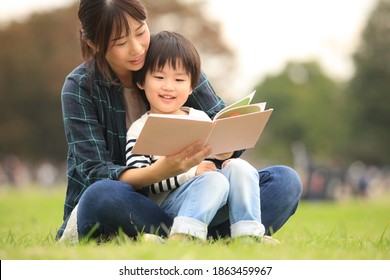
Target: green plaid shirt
95, 127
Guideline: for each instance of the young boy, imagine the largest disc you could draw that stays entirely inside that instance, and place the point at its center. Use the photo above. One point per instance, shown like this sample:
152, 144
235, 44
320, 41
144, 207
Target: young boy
202, 195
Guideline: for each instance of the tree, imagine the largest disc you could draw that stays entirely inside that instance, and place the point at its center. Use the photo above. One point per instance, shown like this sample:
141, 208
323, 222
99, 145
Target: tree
36, 55
307, 106
368, 91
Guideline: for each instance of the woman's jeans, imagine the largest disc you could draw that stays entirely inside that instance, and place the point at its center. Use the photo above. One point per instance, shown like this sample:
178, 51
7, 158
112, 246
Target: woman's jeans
108, 206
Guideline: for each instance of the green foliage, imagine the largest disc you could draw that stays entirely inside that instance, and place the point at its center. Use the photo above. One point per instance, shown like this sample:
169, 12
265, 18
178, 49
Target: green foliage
35, 57
307, 108
369, 90
333, 121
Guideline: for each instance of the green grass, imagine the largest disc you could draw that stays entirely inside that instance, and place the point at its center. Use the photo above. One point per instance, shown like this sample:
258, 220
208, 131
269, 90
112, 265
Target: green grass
354, 229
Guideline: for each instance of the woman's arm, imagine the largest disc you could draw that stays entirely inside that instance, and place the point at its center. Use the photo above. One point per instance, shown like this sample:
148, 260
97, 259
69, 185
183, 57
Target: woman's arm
89, 157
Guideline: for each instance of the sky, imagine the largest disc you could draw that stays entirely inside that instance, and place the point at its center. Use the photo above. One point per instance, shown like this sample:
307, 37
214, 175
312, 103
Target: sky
268, 33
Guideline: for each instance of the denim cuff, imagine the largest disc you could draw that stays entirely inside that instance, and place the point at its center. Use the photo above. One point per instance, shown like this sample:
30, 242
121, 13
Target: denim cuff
245, 228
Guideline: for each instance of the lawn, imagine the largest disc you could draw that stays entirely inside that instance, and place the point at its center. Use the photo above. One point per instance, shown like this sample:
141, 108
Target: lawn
355, 229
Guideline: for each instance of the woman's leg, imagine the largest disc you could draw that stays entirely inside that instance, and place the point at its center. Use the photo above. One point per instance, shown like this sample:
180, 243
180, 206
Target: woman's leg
195, 203
280, 192
114, 204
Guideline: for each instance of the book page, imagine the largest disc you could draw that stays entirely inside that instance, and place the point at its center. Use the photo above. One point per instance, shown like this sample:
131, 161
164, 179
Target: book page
244, 101
251, 108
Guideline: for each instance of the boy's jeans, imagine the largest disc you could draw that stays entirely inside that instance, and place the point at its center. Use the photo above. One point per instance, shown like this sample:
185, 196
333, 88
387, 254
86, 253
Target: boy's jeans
235, 189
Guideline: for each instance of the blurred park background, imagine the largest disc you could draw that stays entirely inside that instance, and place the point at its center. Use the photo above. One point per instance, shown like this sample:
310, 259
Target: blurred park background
332, 128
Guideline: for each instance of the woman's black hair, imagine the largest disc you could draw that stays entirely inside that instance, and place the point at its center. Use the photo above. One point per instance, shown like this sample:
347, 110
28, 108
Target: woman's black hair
99, 18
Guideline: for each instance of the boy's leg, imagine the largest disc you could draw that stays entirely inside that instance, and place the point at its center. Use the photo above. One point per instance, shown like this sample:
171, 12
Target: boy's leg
195, 203
244, 199
280, 192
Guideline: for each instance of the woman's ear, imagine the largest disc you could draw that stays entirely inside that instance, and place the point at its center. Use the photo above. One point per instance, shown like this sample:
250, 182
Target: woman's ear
140, 86
91, 45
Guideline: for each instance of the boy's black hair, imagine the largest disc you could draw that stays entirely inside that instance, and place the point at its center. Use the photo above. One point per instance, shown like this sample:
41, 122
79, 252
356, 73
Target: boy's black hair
173, 48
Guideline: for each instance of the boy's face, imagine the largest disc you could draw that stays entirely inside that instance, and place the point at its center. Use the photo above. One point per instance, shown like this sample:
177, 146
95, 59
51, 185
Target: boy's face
167, 89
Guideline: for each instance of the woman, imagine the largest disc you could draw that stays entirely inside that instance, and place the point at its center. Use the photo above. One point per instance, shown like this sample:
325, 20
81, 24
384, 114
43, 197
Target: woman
99, 104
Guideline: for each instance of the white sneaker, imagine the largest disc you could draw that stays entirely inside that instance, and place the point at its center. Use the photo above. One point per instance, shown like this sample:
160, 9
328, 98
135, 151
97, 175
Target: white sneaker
151, 238
70, 234
266, 239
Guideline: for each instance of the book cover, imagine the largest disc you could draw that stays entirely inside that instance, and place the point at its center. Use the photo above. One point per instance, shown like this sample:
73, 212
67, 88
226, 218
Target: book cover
236, 127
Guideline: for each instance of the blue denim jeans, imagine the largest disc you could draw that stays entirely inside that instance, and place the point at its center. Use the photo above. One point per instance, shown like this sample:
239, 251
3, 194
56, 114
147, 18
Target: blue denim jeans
114, 205
232, 194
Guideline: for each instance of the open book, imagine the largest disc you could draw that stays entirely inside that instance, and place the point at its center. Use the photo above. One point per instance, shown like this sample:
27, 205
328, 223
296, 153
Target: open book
236, 127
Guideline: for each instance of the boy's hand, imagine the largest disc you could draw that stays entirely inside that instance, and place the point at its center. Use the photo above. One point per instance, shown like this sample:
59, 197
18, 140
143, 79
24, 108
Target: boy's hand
205, 166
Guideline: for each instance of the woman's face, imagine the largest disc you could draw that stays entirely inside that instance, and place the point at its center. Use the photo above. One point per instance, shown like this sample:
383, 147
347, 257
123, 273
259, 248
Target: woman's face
127, 53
